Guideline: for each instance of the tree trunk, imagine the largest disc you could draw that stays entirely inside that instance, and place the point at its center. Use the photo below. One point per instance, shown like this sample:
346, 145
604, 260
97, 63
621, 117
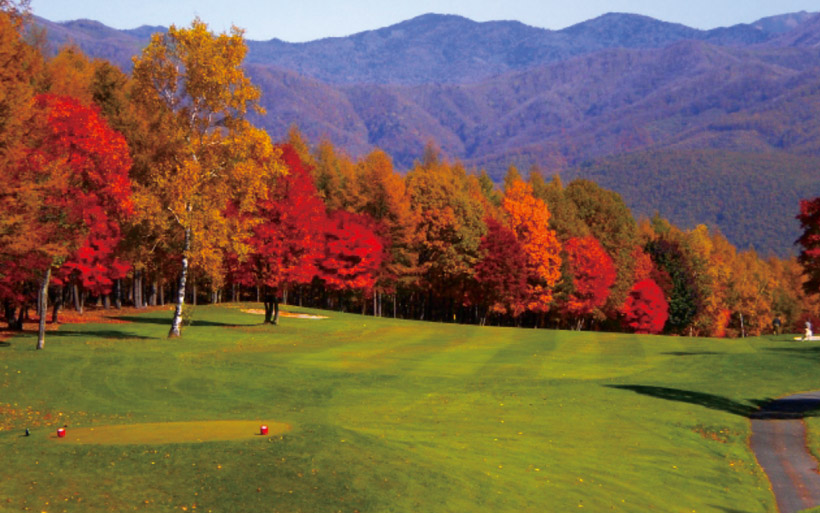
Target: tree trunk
152, 300
42, 309
16, 323
9, 312
118, 293
268, 310
58, 304
742, 327
271, 307
78, 300
137, 287
161, 287
176, 322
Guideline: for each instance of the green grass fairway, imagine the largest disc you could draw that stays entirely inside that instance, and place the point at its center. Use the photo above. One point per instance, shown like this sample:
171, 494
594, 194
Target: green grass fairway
388, 416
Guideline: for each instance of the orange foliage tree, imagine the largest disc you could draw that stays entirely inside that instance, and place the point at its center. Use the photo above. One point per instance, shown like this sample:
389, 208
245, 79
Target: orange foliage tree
382, 194
529, 220
448, 231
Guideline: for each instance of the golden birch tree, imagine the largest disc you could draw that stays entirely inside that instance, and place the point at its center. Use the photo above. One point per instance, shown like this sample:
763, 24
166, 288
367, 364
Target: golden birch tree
192, 85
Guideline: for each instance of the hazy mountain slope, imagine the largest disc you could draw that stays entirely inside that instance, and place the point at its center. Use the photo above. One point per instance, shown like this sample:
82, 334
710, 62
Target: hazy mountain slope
98, 40
319, 109
690, 94
752, 198
805, 35
688, 91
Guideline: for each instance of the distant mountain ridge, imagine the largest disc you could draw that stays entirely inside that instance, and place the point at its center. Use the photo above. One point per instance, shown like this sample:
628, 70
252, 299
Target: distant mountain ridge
495, 93
447, 48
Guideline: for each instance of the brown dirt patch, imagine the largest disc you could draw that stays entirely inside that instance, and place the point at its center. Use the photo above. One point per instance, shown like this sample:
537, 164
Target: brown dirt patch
172, 432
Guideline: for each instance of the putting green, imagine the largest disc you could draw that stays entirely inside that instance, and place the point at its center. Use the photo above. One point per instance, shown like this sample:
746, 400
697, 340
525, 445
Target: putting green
173, 432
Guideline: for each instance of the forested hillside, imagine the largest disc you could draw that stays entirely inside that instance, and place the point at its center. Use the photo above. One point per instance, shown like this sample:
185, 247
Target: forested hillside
498, 93
748, 196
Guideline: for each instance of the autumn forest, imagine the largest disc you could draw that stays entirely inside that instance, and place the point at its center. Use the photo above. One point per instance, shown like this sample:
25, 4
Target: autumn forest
155, 188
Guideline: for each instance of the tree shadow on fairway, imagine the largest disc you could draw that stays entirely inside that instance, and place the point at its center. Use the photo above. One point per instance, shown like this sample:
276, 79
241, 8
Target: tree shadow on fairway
796, 406
102, 334
167, 321
703, 399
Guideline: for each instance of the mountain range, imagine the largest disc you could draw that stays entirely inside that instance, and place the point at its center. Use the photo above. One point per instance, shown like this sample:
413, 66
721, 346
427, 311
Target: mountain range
619, 98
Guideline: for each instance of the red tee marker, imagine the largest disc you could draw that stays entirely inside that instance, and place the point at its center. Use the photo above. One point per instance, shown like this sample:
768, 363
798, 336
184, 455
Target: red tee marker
61, 432
263, 430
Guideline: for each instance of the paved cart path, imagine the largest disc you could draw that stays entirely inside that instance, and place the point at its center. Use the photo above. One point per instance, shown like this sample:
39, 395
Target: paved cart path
779, 441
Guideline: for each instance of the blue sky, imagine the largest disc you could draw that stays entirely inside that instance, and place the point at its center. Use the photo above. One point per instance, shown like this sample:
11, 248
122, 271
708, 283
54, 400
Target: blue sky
304, 20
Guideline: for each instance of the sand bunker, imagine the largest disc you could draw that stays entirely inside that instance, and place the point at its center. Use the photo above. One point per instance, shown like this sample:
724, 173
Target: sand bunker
174, 432
294, 315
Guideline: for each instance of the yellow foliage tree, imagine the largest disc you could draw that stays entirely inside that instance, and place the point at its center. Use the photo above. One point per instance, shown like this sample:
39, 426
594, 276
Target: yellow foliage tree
210, 161
751, 293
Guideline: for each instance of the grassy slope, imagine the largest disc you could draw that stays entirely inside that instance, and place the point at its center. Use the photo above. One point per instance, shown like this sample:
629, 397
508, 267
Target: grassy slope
391, 416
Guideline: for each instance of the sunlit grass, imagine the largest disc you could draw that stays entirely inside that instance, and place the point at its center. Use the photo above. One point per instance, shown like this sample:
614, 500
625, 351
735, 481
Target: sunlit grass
389, 416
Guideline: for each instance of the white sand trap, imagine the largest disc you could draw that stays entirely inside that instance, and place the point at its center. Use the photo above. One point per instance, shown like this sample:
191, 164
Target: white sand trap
173, 432
293, 315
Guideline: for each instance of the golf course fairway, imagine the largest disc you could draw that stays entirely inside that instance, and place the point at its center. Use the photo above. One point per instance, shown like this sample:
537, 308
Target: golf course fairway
382, 415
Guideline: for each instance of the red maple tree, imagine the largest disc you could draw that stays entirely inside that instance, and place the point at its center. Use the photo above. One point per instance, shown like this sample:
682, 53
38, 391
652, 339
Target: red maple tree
70, 191
288, 240
809, 258
353, 252
646, 308
593, 273
501, 273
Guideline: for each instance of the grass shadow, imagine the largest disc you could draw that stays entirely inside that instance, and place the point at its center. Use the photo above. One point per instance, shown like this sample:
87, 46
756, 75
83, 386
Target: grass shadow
102, 334
5, 344
799, 406
703, 399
